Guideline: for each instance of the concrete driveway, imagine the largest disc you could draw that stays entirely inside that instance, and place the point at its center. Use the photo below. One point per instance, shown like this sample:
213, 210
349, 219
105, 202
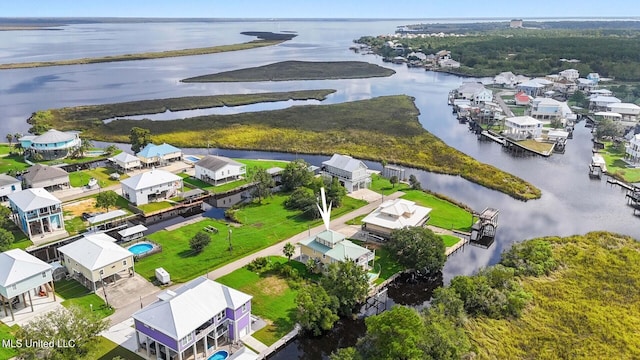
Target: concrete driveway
127, 290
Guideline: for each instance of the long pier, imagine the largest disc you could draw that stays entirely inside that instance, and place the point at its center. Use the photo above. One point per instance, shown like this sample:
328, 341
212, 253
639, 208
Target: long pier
492, 136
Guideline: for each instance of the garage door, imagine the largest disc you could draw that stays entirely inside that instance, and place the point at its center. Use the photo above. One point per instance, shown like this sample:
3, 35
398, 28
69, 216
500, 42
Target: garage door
244, 331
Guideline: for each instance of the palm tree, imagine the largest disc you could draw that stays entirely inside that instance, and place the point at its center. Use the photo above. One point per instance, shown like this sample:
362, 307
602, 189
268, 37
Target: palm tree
10, 140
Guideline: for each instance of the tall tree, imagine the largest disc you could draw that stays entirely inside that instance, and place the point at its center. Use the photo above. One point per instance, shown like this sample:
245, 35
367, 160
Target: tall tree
288, 250
415, 184
316, 310
6, 239
139, 138
264, 182
5, 213
335, 192
111, 149
61, 326
393, 180
305, 200
106, 199
10, 140
295, 175
348, 282
418, 248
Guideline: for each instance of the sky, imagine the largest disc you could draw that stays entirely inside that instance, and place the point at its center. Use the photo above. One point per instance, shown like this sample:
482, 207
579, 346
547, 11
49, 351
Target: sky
408, 9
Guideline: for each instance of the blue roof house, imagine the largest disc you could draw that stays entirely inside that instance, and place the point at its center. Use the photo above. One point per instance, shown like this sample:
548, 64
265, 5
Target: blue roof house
153, 154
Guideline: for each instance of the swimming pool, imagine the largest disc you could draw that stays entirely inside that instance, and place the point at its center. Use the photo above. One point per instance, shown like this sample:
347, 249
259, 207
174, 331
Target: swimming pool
219, 355
140, 248
192, 158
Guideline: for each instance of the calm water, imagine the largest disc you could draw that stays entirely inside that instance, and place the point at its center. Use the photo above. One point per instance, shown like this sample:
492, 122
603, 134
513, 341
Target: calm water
571, 203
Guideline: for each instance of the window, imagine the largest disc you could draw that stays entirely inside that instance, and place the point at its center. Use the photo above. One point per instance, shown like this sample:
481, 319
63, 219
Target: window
124, 262
221, 315
44, 274
101, 271
187, 339
14, 287
244, 308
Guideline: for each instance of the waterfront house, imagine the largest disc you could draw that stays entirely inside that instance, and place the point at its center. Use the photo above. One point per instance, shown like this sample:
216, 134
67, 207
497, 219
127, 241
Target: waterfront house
547, 109
570, 74
601, 103
22, 273
45, 176
8, 185
395, 214
193, 321
351, 173
219, 169
53, 144
125, 161
95, 259
586, 84
522, 99
603, 92
449, 63
606, 115
37, 212
522, 127
531, 88
150, 186
159, 155
475, 92
505, 79
628, 111
633, 148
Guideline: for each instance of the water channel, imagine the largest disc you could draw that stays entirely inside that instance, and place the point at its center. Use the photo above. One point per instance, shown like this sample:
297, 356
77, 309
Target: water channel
571, 202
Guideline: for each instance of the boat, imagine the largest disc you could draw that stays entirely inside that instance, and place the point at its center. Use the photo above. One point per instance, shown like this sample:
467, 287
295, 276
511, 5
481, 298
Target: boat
93, 182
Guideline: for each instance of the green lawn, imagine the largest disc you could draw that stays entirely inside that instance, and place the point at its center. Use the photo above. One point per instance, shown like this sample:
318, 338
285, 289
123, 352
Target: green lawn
12, 162
75, 294
617, 167
20, 240
273, 299
187, 179
81, 178
155, 206
380, 184
517, 110
263, 225
6, 333
75, 225
4, 148
356, 220
265, 164
443, 214
106, 349
383, 261
449, 240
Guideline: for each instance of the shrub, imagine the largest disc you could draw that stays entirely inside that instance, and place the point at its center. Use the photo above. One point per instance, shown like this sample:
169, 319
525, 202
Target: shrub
258, 264
199, 241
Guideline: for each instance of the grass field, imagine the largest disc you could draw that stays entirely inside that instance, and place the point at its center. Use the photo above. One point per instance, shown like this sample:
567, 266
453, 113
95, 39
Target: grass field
298, 70
542, 147
74, 225
155, 206
81, 178
262, 226
617, 167
106, 349
20, 240
383, 261
443, 214
587, 309
9, 162
449, 240
7, 333
75, 294
383, 185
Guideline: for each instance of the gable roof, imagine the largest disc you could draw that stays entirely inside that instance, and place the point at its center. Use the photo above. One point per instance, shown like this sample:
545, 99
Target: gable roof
149, 179
95, 251
344, 162
152, 150
124, 157
7, 180
39, 172
522, 96
530, 84
17, 265
33, 199
215, 163
190, 306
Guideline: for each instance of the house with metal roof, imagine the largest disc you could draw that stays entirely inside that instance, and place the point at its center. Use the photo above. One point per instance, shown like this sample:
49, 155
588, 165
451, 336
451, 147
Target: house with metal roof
95, 258
351, 173
601, 103
629, 111
393, 215
53, 144
633, 148
21, 274
547, 110
37, 213
160, 155
193, 321
8, 185
522, 127
219, 169
125, 161
45, 176
150, 186
531, 87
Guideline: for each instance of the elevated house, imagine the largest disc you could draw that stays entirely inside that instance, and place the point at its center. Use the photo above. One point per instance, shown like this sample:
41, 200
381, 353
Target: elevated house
53, 144
37, 212
475, 92
522, 127
601, 103
531, 88
632, 149
506, 79
594, 77
193, 321
150, 186
45, 176
159, 155
219, 169
351, 173
548, 110
628, 111
449, 63
330, 246
570, 74
22, 274
95, 258
522, 99
125, 162
8, 185
393, 215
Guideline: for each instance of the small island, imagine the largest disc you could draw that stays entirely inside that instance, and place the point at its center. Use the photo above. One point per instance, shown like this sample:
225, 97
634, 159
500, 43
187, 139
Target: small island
382, 128
299, 70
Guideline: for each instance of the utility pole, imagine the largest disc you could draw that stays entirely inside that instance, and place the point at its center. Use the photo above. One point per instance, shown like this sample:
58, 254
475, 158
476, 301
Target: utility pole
230, 246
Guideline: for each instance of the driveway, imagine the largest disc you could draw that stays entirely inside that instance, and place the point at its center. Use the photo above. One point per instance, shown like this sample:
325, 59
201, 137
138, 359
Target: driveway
127, 290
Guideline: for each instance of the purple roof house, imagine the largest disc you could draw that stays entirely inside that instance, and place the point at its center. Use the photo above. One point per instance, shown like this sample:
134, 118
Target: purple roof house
195, 319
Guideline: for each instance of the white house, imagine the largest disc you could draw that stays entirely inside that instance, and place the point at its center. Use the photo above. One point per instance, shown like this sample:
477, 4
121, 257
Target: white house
633, 148
125, 161
449, 63
154, 185
8, 185
351, 173
53, 144
219, 169
550, 109
628, 111
506, 79
393, 215
523, 127
22, 273
95, 258
37, 212
48, 177
601, 103
570, 74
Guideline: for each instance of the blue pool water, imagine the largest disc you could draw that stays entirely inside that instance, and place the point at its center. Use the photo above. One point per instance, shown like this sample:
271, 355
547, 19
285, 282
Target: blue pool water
219, 355
138, 249
192, 158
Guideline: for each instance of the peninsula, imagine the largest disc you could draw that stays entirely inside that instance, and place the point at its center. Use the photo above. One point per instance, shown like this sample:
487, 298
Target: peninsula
299, 70
382, 128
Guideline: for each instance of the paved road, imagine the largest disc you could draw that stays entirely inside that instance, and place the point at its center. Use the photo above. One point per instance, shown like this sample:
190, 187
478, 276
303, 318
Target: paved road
124, 312
505, 108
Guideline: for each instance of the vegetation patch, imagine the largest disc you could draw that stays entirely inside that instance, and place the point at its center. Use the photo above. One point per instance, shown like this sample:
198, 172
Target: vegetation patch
7, 333
382, 185
82, 177
155, 206
106, 349
75, 294
617, 166
444, 214
541, 147
449, 240
299, 70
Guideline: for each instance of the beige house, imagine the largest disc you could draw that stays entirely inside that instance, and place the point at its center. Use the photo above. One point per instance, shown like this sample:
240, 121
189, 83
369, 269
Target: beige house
393, 215
96, 258
48, 177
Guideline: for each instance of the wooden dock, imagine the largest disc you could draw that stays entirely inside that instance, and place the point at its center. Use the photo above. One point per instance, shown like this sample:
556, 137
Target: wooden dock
493, 136
457, 246
622, 184
516, 147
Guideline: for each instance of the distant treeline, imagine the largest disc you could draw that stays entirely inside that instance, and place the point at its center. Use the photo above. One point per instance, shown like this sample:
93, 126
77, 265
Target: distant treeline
467, 28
